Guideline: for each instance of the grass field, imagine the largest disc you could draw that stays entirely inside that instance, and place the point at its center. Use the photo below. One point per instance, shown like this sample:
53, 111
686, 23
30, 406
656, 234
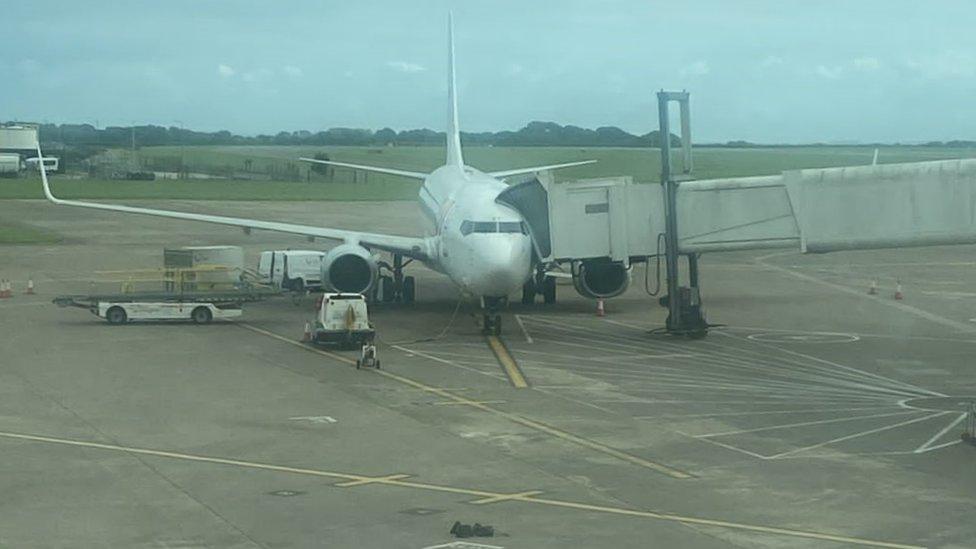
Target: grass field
642, 164
17, 233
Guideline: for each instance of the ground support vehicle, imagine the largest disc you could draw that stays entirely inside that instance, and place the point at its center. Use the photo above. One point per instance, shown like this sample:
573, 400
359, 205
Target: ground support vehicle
343, 321
201, 308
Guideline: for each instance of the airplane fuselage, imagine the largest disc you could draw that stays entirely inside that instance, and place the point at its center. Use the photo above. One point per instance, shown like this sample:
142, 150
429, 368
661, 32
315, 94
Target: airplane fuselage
483, 246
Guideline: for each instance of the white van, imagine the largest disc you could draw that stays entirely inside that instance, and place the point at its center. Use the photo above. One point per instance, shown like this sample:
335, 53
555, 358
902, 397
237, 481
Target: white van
292, 269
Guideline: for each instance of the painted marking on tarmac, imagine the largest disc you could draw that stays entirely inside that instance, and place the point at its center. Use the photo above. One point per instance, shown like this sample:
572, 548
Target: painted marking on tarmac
507, 361
801, 337
856, 435
463, 545
528, 338
315, 419
454, 403
506, 497
371, 480
948, 322
484, 494
927, 445
515, 418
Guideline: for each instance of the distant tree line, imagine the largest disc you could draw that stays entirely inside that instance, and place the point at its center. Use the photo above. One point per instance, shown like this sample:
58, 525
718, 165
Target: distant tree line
535, 134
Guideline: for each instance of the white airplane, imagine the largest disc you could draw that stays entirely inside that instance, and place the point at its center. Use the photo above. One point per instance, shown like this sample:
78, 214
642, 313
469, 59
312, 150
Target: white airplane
484, 246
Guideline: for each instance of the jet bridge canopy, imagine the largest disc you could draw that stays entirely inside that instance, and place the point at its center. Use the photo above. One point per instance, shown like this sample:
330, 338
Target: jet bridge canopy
814, 210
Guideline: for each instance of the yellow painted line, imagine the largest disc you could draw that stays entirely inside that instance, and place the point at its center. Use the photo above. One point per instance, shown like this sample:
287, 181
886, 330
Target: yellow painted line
521, 496
507, 361
515, 418
524, 497
370, 480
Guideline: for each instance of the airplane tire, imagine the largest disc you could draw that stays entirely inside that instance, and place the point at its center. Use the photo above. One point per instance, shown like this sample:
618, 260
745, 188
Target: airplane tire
549, 290
409, 289
528, 293
386, 289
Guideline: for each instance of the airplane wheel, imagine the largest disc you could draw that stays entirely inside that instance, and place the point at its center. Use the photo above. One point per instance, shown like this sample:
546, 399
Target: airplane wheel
386, 289
549, 290
528, 293
409, 289
497, 326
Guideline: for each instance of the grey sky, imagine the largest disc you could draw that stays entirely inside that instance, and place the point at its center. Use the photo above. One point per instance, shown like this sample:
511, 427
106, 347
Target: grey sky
768, 71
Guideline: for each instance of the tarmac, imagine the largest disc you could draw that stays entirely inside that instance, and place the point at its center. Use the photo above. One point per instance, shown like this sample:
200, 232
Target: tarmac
817, 415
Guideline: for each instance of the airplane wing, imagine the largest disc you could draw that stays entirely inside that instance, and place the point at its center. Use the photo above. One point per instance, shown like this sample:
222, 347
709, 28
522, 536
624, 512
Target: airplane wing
409, 246
520, 171
390, 171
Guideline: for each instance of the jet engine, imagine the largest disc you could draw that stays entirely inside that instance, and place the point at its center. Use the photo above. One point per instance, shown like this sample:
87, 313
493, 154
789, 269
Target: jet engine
601, 278
349, 268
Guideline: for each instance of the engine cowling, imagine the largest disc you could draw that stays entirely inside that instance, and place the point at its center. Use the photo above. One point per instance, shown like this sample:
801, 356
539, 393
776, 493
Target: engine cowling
600, 278
349, 268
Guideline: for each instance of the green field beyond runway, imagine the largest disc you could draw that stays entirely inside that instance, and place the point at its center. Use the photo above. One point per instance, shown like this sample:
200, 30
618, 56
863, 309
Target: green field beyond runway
345, 184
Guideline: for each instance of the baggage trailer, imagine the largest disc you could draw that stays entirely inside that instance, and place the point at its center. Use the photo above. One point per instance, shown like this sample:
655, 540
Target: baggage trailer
201, 308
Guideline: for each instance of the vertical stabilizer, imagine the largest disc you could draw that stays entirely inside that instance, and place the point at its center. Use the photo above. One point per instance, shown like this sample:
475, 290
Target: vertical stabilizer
453, 131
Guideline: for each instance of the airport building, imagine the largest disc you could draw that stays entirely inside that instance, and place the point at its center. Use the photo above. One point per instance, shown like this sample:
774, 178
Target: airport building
18, 138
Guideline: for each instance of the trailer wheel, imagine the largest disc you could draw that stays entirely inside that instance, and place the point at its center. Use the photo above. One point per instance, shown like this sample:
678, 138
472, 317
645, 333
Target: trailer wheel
116, 315
201, 315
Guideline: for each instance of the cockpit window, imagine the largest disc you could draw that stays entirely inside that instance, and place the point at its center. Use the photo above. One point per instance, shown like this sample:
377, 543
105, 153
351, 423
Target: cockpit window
511, 227
468, 227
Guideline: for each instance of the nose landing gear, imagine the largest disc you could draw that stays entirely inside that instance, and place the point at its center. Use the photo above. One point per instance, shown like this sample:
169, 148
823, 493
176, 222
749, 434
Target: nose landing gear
395, 287
491, 318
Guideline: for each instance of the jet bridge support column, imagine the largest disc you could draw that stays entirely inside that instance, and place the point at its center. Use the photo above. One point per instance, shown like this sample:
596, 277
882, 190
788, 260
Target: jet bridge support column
685, 315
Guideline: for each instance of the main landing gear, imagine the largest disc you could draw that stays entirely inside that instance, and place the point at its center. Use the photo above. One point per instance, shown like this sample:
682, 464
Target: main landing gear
539, 284
394, 287
491, 318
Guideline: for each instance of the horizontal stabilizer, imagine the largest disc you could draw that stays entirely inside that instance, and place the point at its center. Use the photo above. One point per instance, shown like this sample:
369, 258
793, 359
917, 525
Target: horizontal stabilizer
390, 171
534, 169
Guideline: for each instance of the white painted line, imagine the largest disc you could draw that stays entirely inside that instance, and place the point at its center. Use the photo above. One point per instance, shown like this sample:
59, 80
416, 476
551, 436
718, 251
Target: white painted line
805, 424
857, 435
768, 412
925, 446
846, 368
448, 362
961, 326
528, 338
951, 294
944, 445
315, 419
727, 446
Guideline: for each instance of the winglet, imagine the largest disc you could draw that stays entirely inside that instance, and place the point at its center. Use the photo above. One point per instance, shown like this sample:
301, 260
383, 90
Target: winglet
454, 157
47, 187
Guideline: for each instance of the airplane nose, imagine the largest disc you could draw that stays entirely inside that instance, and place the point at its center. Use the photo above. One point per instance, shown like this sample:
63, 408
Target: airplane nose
504, 266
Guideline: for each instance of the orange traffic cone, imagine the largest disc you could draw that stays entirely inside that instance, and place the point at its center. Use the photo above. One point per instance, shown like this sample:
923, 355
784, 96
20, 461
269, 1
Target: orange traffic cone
898, 294
600, 310
307, 336
873, 288
30, 286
